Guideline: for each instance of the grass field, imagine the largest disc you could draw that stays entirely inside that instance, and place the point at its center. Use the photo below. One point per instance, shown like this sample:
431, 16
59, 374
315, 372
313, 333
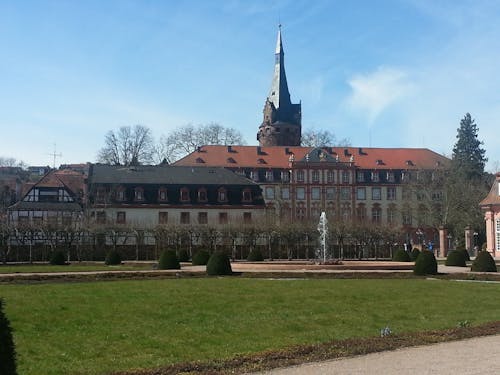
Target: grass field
99, 327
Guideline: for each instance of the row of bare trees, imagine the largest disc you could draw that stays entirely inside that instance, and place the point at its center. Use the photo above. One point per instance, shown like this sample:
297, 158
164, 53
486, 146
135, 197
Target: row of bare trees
29, 243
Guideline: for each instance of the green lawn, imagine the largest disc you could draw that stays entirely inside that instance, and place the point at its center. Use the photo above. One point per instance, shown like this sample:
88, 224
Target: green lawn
98, 327
75, 267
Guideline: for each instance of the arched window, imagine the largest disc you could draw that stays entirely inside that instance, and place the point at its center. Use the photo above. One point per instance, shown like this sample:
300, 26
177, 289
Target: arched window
162, 194
184, 194
138, 194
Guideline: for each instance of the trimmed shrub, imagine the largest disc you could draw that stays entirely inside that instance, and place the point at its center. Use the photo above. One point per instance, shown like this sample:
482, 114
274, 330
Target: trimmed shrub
57, 258
183, 256
113, 258
401, 256
219, 264
168, 261
456, 258
7, 348
414, 254
484, 262
425, 264
465, 252
255, 256
200, 258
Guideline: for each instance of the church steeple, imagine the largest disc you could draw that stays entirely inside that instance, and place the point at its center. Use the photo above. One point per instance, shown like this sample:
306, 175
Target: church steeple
279, 94
282, 119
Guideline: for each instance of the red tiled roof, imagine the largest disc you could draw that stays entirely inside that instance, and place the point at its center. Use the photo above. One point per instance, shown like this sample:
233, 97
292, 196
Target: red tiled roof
72, 180
493, 197
278, 157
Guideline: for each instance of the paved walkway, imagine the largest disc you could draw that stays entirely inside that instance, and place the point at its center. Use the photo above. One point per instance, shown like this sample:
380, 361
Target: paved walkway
468, 357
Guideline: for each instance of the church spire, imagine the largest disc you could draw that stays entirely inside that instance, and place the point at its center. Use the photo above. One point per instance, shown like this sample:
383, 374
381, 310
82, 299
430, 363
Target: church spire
281, 125
279, 94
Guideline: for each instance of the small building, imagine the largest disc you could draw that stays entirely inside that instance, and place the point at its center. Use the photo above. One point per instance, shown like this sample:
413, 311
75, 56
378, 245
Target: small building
55, 200
147, 196
491, 207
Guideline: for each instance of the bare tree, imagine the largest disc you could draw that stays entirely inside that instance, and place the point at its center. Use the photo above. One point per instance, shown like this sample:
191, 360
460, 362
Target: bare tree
11, 162
127, 146
186, 139
320, 138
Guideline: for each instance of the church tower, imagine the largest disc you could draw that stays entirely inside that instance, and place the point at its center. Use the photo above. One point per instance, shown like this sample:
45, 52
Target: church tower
281, 125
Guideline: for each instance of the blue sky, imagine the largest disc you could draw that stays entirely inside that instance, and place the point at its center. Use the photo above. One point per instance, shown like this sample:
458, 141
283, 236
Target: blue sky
385, 73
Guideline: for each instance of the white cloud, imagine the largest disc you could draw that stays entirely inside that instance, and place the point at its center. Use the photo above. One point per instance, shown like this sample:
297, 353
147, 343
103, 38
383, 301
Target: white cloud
372, 93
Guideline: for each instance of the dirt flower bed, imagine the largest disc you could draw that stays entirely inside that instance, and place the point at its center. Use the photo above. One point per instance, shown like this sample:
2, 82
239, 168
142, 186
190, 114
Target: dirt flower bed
320, 352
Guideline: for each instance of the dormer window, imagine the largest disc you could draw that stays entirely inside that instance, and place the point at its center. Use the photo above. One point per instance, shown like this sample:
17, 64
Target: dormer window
390, 177
162, 195
315, 176
269, 176
300, 176
375, 176
120, 194
285, 176
222, 195
202, 195
138, 194
247, 196
100, 194
185, 194
200, 161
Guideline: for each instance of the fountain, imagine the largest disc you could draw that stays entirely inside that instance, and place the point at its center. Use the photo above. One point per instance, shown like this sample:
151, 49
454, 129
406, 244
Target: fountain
322, 253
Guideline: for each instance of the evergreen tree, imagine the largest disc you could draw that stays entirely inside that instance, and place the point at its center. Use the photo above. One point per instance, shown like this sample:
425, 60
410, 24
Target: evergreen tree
468, 156
7, 349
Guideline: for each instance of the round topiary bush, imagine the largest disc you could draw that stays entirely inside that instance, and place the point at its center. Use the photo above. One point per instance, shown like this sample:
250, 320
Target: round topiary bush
484, 262
7, 348
401, 256
425, 264
414, 254
255, 256
183, 256
456, 258
113, 258
57, 258
200, 258
168, 261
219, 264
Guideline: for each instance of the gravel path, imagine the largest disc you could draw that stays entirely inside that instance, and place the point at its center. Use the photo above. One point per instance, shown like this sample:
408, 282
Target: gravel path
473, 356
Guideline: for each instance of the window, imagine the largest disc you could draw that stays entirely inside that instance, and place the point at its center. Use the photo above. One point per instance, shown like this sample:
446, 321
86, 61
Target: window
330, 177
390, 177
101, 217
375, 176
285, 176
138, 194
360, 176
162, 217
345, 211
420, 195
222, 217
300, 212
316, 193
300, 176
345, 193
376, 214
391, 193
121, 217
391, 214
407, 218
301, 193
247, 217
330, 193
285, 193
315, 176
254, 176
406, 194
376, 194
100, 194
497, 227
185, 218
437, 195
222, 195
184, 194
120, 194
269, 176
247, 195
162, 195
202, 217
269, 192
345, 177
202, 195
315, 211
361, 212
361, 193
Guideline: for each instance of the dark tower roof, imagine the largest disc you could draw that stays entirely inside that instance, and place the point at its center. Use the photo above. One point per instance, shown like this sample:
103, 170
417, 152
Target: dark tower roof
281, 125
279, 94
